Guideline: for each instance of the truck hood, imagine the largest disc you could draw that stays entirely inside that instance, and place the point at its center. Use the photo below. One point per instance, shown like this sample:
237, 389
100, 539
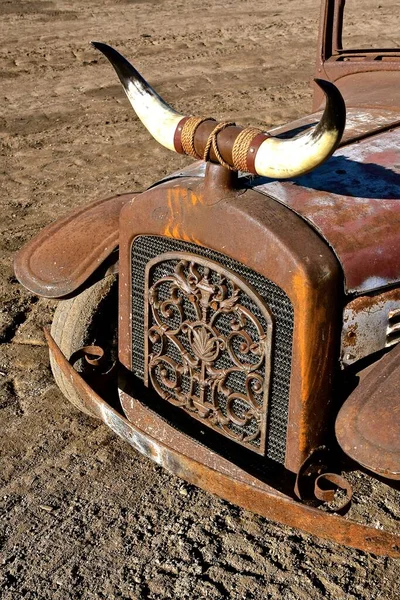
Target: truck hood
352, 200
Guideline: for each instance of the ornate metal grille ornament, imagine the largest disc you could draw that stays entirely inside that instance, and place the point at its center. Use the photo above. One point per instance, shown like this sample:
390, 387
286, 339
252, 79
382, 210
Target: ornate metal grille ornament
206, 350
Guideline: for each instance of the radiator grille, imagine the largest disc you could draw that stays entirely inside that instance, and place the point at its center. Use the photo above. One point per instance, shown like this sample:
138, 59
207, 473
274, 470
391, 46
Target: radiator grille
147, 248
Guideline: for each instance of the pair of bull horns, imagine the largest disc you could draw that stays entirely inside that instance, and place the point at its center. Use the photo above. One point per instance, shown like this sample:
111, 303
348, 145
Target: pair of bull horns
260, 153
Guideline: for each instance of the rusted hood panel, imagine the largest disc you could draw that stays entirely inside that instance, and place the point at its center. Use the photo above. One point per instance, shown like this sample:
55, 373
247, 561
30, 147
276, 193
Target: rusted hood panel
63, 255
352, 200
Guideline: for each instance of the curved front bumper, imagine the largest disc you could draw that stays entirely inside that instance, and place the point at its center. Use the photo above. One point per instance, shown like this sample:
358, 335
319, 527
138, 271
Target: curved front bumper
236, 487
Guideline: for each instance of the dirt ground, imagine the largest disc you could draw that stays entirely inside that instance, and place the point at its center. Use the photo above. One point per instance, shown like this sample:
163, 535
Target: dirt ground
83, 515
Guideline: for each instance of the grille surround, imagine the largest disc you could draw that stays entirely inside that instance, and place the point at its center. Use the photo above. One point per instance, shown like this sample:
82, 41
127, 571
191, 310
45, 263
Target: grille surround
147, 247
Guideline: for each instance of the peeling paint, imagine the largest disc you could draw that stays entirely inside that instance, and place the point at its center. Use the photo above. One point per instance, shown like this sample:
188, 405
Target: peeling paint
367, 325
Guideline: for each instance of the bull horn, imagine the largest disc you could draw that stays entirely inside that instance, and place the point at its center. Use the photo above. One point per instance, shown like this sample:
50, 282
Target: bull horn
267, 156
160, 119
283, 158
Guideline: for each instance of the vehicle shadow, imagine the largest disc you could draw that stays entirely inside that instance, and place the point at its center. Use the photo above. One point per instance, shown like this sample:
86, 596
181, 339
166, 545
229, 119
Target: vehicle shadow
341, 176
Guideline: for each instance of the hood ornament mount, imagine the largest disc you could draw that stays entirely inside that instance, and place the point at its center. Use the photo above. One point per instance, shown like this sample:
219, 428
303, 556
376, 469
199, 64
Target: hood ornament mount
249, 149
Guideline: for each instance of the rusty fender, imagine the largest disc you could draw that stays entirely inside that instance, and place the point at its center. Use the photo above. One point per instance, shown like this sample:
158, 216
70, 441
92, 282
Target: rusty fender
265, 501
62, 257
368, 424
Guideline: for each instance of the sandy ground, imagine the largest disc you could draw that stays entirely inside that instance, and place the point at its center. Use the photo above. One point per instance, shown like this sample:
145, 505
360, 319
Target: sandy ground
82, 515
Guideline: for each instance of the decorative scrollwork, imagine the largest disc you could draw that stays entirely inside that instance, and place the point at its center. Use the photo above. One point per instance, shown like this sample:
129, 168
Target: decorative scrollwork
208, 345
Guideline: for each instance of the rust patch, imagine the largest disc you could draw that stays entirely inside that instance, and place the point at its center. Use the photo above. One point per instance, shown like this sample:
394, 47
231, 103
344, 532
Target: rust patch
369, 325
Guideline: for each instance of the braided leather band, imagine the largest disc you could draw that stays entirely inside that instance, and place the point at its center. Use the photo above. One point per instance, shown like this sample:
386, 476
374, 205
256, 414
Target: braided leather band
188, 133
244, 147
241, 148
